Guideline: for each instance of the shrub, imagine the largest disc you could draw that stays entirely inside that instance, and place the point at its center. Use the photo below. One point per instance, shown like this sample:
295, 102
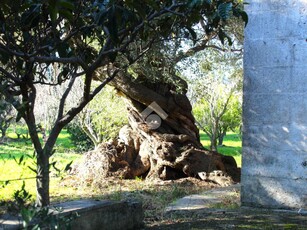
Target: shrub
79, 138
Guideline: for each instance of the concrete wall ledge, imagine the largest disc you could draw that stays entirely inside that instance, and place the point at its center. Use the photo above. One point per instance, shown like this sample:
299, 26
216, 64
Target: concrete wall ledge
93, 214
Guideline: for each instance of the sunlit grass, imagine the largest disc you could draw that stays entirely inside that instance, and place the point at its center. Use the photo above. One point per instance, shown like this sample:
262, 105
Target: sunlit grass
232, 145
16, 159
22, 149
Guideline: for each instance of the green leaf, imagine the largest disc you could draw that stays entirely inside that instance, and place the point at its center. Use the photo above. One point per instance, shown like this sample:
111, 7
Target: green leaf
65, 8
30, 18
63, 50
52, 153
101, 16
244, 17
112, 24
21, 110
66, 14
224, 10
53, 166
196, 3
15, 159
32, 169
53, 10
23, 185
21, 159
222, 36
240, 13
216, 20
67, 4
4, 57
153, 4
140, 9
67, 167
19, 116
54, 14
192, 33
1, 16
4, 183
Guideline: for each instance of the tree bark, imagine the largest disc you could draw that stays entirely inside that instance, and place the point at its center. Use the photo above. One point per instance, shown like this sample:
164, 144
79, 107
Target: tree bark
161, 140
42, 163
221, 137
3, 132
43, 179
213, 141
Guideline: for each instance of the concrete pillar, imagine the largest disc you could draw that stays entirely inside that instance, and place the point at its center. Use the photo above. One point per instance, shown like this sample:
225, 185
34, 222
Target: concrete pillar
274, 168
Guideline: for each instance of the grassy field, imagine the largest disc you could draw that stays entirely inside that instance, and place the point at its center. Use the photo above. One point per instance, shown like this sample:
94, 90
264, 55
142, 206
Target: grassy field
232, 145
16, 156
13, 150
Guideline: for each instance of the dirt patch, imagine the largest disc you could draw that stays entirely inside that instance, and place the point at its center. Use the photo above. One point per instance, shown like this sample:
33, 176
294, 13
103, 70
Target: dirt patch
156, 196
219, 208
241, 218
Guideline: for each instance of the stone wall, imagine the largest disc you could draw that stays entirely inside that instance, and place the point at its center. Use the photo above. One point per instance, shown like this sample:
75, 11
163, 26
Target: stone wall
92, 215
274, 168
108, 215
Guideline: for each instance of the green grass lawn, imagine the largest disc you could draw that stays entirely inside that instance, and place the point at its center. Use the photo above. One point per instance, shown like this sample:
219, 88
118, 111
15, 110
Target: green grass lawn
11, 153
14, 149
232, 145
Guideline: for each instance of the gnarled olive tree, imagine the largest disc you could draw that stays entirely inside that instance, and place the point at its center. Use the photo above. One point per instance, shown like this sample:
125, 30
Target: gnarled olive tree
162, 140
51, 41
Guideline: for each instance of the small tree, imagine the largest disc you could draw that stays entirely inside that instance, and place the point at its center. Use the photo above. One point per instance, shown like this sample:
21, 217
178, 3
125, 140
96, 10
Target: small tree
100, 120
103, 117
232, 119
47, 97
216, 93
217, 116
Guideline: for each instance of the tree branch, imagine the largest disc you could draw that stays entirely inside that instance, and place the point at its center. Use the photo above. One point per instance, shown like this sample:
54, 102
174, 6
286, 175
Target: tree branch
194, 49
44, 59
64, 97
74, 111
9, 75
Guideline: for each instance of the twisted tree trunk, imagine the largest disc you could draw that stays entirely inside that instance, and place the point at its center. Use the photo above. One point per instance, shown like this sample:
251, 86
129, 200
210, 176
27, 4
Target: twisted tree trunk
161, 140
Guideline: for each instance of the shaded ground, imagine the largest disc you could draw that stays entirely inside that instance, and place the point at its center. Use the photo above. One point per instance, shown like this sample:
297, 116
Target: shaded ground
212, 207
241, 218
219, 208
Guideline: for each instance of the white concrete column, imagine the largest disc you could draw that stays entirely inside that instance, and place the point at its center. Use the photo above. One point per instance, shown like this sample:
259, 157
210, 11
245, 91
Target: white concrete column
274, 168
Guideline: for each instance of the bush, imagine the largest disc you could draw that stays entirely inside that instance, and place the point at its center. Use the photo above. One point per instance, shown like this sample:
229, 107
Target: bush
79, 138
